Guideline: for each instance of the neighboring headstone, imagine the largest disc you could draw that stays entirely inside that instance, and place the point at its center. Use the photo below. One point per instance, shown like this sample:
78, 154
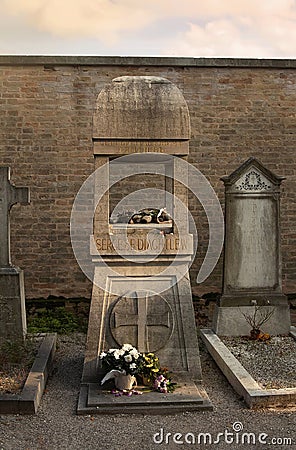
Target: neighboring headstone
12, 293
141, 304
252, 260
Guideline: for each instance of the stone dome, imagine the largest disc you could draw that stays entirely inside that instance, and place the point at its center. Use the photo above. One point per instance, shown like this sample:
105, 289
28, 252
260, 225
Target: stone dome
141, 107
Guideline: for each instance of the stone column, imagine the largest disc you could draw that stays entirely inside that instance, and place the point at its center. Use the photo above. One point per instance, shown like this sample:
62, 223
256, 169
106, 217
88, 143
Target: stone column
12, 292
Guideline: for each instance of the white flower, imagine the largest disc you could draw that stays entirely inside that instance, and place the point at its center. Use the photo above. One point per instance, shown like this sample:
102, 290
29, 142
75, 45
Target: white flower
121, 352
116, 354
133, 366
102, 355
134, 352
127, 347
128, 358
112, 350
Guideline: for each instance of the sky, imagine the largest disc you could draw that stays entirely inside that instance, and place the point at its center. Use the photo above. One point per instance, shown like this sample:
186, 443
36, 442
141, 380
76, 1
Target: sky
194, 28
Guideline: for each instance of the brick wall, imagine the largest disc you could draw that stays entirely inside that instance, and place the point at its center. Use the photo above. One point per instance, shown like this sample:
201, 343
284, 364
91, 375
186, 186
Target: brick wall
238, 109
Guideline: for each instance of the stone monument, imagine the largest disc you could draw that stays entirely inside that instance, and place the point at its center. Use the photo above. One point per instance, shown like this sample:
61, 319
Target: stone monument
12, 292
252, 257
139, 302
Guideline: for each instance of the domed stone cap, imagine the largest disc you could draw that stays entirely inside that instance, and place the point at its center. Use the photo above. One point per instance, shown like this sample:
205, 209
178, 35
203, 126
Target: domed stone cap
141, 107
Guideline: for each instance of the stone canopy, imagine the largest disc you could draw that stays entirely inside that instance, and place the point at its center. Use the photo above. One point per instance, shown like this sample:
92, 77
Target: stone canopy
152, 108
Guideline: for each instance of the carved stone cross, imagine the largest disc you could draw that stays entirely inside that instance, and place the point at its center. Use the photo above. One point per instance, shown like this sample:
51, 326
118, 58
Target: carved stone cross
142, 312
9, 196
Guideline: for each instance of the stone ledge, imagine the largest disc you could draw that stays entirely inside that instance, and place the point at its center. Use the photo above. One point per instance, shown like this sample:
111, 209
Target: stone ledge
293, 332
241, 380
92, 60
28, 401
93, 399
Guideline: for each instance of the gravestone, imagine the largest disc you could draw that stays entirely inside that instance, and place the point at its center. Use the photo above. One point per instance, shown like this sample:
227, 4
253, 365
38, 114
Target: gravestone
135, 297
252, 258
12, 293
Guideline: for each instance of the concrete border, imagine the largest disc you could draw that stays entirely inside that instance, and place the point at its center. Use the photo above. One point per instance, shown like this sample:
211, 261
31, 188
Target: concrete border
28, 401
241, 381
92, 60
293, 332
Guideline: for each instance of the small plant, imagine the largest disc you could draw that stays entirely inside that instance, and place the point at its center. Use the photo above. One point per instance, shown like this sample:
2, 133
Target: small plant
57, 320
12, 352
260, 316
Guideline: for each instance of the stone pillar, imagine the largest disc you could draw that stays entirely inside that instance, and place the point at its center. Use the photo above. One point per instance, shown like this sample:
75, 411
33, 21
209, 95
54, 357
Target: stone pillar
12, 292
13, 324
252, 257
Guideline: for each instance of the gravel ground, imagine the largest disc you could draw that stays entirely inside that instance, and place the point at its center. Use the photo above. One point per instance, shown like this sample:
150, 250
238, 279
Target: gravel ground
56, 426
271, 363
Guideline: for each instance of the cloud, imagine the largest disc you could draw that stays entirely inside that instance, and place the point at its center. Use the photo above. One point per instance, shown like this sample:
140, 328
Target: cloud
268, 31
103, 19
215, 38
203, 28
233, 8
281, 32
270, 37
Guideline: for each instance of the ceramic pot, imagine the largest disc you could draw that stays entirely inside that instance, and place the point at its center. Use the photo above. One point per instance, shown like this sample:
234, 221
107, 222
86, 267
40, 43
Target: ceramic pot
125, 382
145, 381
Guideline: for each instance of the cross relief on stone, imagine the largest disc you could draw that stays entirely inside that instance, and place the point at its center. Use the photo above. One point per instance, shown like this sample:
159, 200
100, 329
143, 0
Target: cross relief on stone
9, 196
149, 314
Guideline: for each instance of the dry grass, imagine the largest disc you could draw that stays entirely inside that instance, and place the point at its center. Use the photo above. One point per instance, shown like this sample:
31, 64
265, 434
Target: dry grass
12, 379
16, 360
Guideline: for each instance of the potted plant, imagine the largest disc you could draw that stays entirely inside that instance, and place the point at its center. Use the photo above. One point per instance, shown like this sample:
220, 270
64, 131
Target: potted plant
122, 365
149, 369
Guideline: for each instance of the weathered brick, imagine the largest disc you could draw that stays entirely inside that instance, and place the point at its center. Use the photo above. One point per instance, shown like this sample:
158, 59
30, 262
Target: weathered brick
237, 111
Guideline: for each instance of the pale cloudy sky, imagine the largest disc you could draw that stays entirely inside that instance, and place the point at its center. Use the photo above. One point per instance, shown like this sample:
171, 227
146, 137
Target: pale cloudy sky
234, 28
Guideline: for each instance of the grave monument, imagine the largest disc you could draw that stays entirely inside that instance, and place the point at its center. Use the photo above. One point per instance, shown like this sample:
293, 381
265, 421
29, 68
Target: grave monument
138, 297
12, 292
252, 256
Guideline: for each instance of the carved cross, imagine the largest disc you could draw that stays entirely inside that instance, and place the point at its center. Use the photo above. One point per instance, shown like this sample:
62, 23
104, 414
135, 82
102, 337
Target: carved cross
9, 196
142, 320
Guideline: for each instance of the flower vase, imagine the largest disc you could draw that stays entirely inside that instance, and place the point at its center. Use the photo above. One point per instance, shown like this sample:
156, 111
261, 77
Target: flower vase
145, 380
125, 382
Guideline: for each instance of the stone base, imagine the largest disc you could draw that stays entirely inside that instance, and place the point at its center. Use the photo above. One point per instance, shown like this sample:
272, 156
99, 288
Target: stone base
94, 399
162, 323
12, 305
229, 321
246, 298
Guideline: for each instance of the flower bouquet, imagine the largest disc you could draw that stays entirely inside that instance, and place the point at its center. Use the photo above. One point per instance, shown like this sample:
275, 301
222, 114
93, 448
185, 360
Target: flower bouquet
127, 359
150, 368
163, 383
125, 363
159, 378
122, 365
